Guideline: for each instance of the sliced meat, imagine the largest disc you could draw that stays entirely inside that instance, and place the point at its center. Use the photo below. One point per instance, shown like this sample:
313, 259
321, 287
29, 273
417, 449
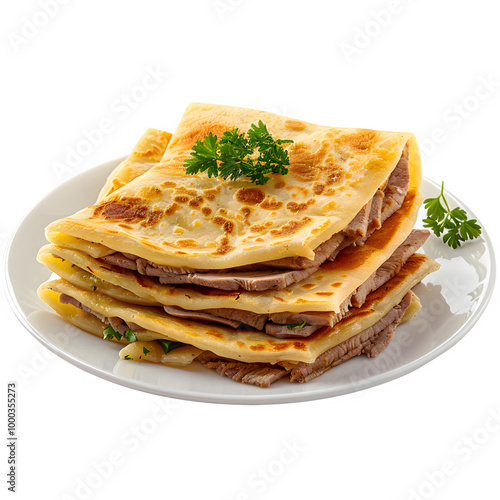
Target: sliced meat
397, 187
67, 299
253, 281
391, 266
205, 316
358, 226
282, 331
321, 253
119, 259
370, 341
276, 324
118, 324
393, 196
260, 374
252, 319
149, 268
375, 218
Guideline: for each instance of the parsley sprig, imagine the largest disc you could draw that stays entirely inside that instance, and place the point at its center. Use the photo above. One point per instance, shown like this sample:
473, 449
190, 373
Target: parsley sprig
235, 155
456, 222
168, 345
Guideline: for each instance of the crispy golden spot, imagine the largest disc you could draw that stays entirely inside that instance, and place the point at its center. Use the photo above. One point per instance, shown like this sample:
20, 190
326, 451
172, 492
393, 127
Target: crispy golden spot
271, 203
181, 199
198, 132
334, 178
219, 220
144, 282
168, 184
336, 284
291, 227
196, 201
214, 333
222, 211
318, 188
170, 210
250, 196
308, 286
260, 240
178, 252
224, 246
127, 209
150, 245
148, 192
279, 185
240, 344
257, 228
301, 301
302, 163
184, 190
228, 226
297, 207
210, 194
361, 139
295, 124
153, 218
300, 346
325, 294
258, 347
268, 223
206, 211
187, 243
279, 299
125, 226
246, 211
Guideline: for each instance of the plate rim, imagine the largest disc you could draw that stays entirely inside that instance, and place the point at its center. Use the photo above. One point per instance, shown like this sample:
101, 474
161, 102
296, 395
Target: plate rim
257, 399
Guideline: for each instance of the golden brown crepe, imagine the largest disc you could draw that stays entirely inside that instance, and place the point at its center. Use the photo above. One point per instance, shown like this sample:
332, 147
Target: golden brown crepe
153, 210
246, 346
147, 152
198, 222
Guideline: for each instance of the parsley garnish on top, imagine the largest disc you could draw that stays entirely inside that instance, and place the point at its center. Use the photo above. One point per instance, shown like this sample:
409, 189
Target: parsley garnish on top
440, 218
237, 155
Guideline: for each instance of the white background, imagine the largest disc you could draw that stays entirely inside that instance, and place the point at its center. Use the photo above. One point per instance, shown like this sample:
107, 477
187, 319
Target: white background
406, 65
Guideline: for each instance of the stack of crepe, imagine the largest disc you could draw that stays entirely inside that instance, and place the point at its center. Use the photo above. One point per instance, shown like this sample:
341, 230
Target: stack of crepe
258, 282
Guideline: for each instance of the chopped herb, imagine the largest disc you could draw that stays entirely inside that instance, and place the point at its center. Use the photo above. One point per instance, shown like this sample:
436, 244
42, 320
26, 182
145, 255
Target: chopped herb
110, 333
235, 155
130, 336
144, 350
440, 218
296, 325
95, 288
128, 357
168, 345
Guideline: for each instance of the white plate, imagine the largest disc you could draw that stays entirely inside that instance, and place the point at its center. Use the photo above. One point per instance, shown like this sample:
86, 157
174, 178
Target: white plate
453, 299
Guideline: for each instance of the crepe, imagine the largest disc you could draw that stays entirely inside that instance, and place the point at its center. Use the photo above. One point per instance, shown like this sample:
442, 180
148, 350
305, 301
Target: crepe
324, 290
147, 152
160, 243
197, 222
246, 346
